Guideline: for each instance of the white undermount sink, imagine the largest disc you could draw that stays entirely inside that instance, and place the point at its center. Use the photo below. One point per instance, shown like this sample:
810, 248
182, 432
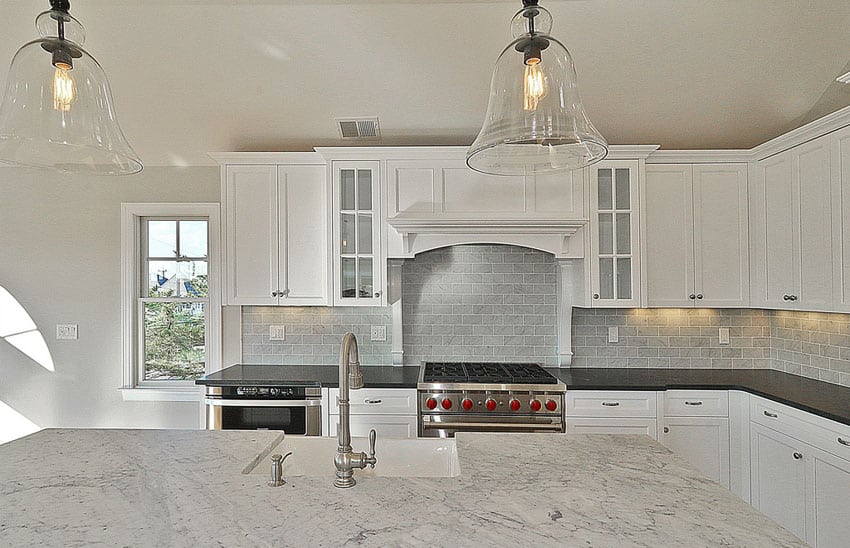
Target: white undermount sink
397, 457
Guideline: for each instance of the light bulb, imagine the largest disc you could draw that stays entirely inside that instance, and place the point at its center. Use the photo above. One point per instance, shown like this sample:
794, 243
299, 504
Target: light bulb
534, 86
64, 89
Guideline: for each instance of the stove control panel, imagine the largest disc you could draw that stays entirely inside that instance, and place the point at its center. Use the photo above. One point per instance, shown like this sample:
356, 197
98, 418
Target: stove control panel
507, 402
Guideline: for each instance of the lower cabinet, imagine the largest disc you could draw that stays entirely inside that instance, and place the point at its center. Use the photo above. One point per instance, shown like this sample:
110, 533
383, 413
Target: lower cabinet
390, 411
612, 412
702, 441
608, 425
830, 500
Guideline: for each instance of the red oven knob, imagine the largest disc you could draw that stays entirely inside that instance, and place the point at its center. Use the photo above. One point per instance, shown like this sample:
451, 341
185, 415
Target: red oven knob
515, 405
447, 403
466, 404
536, 405
551, 405
491, 404
431, 403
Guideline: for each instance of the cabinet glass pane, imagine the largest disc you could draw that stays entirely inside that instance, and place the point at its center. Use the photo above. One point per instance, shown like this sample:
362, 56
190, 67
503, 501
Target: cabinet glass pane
624, 278
606, 233
162, 238
347, 234
366, 287
348, 277
624, 233
606, 278
364, 233
623, 196
605, 189
346, 180
364, 189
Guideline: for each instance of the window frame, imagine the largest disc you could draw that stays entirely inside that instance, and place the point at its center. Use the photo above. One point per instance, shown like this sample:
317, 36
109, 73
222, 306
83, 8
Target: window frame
132, 215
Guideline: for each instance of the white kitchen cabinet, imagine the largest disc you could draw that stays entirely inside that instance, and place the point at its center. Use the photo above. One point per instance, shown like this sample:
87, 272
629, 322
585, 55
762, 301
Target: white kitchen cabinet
840, 172
614, 241
275, 235
359, 262
391, 412
696, 426
829, 501
696, 235
792, 227
612, 412
778, 476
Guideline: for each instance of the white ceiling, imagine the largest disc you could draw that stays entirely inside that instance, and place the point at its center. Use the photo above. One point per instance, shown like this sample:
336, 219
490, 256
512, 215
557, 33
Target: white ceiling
191, 76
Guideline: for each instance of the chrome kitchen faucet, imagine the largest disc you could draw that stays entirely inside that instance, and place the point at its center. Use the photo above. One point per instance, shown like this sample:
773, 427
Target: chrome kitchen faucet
351, 378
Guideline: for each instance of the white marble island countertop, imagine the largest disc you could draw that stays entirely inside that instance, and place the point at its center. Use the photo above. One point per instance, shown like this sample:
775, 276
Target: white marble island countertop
186, 488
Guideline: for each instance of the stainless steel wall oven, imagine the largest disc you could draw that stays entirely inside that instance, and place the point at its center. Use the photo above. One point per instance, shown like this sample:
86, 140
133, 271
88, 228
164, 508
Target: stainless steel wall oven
297, 410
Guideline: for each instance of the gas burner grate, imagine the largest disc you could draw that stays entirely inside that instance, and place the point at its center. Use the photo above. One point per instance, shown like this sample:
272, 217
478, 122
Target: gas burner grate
487, 372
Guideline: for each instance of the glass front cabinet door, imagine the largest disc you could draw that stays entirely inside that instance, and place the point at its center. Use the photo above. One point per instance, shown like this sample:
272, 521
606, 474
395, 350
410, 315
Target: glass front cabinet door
357, 243
615, 249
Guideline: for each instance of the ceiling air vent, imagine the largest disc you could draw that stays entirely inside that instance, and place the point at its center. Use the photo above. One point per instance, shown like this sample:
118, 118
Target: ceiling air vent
359, 128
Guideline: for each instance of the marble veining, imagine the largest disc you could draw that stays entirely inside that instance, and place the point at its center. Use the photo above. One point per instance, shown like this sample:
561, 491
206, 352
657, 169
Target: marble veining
185, 488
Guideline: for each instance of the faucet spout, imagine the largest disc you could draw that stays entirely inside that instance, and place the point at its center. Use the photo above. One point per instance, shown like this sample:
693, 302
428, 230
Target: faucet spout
350, 378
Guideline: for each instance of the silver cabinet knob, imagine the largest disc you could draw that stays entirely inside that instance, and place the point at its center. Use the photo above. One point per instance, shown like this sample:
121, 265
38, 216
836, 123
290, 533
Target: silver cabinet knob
771, 415
274, 293
692, 296
797, 456
377, 294
596, 295
666, 430
793, 297
699, 295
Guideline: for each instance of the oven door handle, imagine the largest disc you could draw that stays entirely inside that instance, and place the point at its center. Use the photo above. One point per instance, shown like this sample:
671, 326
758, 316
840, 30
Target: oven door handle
485, 425
262, 403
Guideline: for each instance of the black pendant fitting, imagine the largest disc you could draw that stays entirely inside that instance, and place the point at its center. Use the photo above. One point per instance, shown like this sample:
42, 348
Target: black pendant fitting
60, 5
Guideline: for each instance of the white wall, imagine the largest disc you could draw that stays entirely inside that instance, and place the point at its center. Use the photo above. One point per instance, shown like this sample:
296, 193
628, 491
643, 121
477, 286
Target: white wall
60, 258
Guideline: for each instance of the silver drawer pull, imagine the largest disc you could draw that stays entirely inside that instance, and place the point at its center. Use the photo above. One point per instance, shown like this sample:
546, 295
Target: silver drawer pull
693, 403
373, 402
842, 441
610, 403
771, 415
797, 456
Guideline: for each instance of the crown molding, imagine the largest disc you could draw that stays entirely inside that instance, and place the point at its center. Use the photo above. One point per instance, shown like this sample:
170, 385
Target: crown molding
803, 134
730, 156
289, 158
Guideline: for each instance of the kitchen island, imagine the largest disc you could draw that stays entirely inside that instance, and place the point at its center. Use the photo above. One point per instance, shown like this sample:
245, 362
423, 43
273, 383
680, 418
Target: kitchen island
187, 488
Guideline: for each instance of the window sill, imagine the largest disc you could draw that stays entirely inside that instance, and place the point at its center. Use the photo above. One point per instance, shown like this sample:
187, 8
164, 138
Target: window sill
187, 394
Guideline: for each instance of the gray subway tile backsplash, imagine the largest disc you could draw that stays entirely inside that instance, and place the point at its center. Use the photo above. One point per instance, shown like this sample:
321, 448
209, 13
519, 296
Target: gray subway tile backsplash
496, 302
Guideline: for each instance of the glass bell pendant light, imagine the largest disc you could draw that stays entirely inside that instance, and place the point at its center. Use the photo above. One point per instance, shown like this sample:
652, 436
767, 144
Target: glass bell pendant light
57, 111
535, 121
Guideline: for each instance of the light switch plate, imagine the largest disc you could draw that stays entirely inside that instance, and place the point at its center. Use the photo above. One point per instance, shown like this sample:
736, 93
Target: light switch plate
277, 332
66, 332
379, 333
613, 335
724, 335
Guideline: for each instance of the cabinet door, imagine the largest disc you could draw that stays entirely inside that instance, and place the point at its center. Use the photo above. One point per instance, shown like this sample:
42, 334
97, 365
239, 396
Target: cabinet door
775, 270
812, 184
648, 427
303, 261
251, 214
830, 512
721, 243
702, 441
778, 478
358, 256
386, 426
615, 245
668, 222
840, 162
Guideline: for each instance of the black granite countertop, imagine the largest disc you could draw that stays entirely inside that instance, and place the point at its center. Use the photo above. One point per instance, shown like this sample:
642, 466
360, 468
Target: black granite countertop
818, 397
309, 375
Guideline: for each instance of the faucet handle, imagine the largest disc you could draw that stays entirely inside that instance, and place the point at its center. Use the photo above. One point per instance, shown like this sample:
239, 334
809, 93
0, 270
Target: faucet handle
372, 438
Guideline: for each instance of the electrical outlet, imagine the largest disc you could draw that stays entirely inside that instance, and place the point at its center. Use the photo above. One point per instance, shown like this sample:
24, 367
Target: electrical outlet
277, 332
724, 335
613, 335
379, 333
66, 332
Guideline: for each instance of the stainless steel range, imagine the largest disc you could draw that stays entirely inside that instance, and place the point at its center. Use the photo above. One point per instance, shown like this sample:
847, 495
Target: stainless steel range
488, 397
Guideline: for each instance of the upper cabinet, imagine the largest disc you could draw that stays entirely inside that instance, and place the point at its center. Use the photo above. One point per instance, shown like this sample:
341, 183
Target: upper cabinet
275, 234
358, 256
614, 269
791, 220
840, 174
695, 235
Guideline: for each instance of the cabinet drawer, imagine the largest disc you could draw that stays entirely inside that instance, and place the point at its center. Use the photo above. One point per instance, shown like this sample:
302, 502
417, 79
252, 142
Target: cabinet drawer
822, 433
624, 403
648, 427
386, 426
696, 403
376, 401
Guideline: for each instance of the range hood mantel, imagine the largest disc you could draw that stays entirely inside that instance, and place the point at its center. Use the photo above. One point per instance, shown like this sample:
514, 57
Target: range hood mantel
551, 235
